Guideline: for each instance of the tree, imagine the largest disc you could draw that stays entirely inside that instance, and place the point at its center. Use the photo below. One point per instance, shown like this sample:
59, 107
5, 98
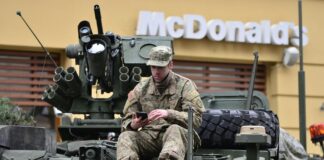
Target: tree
13, 115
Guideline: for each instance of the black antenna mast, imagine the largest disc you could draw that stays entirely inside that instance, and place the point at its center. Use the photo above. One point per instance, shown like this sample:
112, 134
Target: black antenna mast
251, 84
49, 55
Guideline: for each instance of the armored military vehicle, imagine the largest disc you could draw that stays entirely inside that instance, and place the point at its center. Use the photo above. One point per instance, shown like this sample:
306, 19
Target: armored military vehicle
109, 63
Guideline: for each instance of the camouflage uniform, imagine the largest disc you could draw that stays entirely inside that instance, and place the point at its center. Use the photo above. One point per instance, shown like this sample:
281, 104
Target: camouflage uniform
290, 148
166, 138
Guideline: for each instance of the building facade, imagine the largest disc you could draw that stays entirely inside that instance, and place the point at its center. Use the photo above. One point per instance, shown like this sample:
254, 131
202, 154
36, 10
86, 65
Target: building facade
213, 37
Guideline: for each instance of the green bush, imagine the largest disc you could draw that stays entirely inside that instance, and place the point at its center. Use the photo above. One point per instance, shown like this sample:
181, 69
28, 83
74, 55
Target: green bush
13, 115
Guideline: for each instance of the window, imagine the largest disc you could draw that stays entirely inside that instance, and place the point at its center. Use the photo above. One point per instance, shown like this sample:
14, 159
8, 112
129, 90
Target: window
24, 76
218, 77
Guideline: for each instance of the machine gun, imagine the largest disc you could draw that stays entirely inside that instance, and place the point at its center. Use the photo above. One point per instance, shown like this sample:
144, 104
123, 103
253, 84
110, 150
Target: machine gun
110, 63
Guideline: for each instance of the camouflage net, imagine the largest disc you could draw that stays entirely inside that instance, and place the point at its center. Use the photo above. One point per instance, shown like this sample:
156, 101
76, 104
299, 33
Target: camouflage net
13, 115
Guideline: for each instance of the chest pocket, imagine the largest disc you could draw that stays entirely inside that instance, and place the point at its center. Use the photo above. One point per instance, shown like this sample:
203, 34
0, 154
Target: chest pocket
175, 102
149, 103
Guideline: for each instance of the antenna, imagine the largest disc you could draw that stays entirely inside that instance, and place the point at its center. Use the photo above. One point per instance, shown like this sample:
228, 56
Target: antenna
49, 55
251, 85
301, 81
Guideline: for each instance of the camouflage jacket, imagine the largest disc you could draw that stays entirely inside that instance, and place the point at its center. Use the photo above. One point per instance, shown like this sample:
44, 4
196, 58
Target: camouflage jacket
176, 99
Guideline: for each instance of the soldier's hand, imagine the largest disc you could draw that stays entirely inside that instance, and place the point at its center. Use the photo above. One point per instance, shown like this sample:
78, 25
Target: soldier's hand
157, 114
138, 122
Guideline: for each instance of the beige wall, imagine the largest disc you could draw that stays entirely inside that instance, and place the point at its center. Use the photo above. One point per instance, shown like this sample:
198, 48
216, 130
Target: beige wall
285, 97
55, 23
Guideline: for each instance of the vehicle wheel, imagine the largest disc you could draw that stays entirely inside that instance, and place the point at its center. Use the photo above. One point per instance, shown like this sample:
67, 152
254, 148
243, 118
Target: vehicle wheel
219, 127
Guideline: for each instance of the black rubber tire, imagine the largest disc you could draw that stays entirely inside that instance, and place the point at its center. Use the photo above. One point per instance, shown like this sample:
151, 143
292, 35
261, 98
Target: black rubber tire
219, 127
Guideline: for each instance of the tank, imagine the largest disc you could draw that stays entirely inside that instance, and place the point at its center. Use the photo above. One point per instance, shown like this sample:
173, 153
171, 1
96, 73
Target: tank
236, 125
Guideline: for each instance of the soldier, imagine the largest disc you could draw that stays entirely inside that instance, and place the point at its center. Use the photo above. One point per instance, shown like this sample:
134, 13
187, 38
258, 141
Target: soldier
166, 97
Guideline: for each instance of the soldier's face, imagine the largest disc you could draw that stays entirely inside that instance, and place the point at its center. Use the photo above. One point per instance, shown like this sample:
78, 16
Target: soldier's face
159, 73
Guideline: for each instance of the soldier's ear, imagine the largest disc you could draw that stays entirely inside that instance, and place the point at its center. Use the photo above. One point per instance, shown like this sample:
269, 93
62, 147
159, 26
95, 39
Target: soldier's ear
170, 65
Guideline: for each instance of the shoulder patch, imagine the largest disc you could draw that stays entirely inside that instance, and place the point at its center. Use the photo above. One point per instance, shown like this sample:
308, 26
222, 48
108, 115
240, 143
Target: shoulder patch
190, 90
131, 95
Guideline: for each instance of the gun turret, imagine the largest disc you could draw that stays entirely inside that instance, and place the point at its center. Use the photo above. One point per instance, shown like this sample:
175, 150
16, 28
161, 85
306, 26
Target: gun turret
111, 63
